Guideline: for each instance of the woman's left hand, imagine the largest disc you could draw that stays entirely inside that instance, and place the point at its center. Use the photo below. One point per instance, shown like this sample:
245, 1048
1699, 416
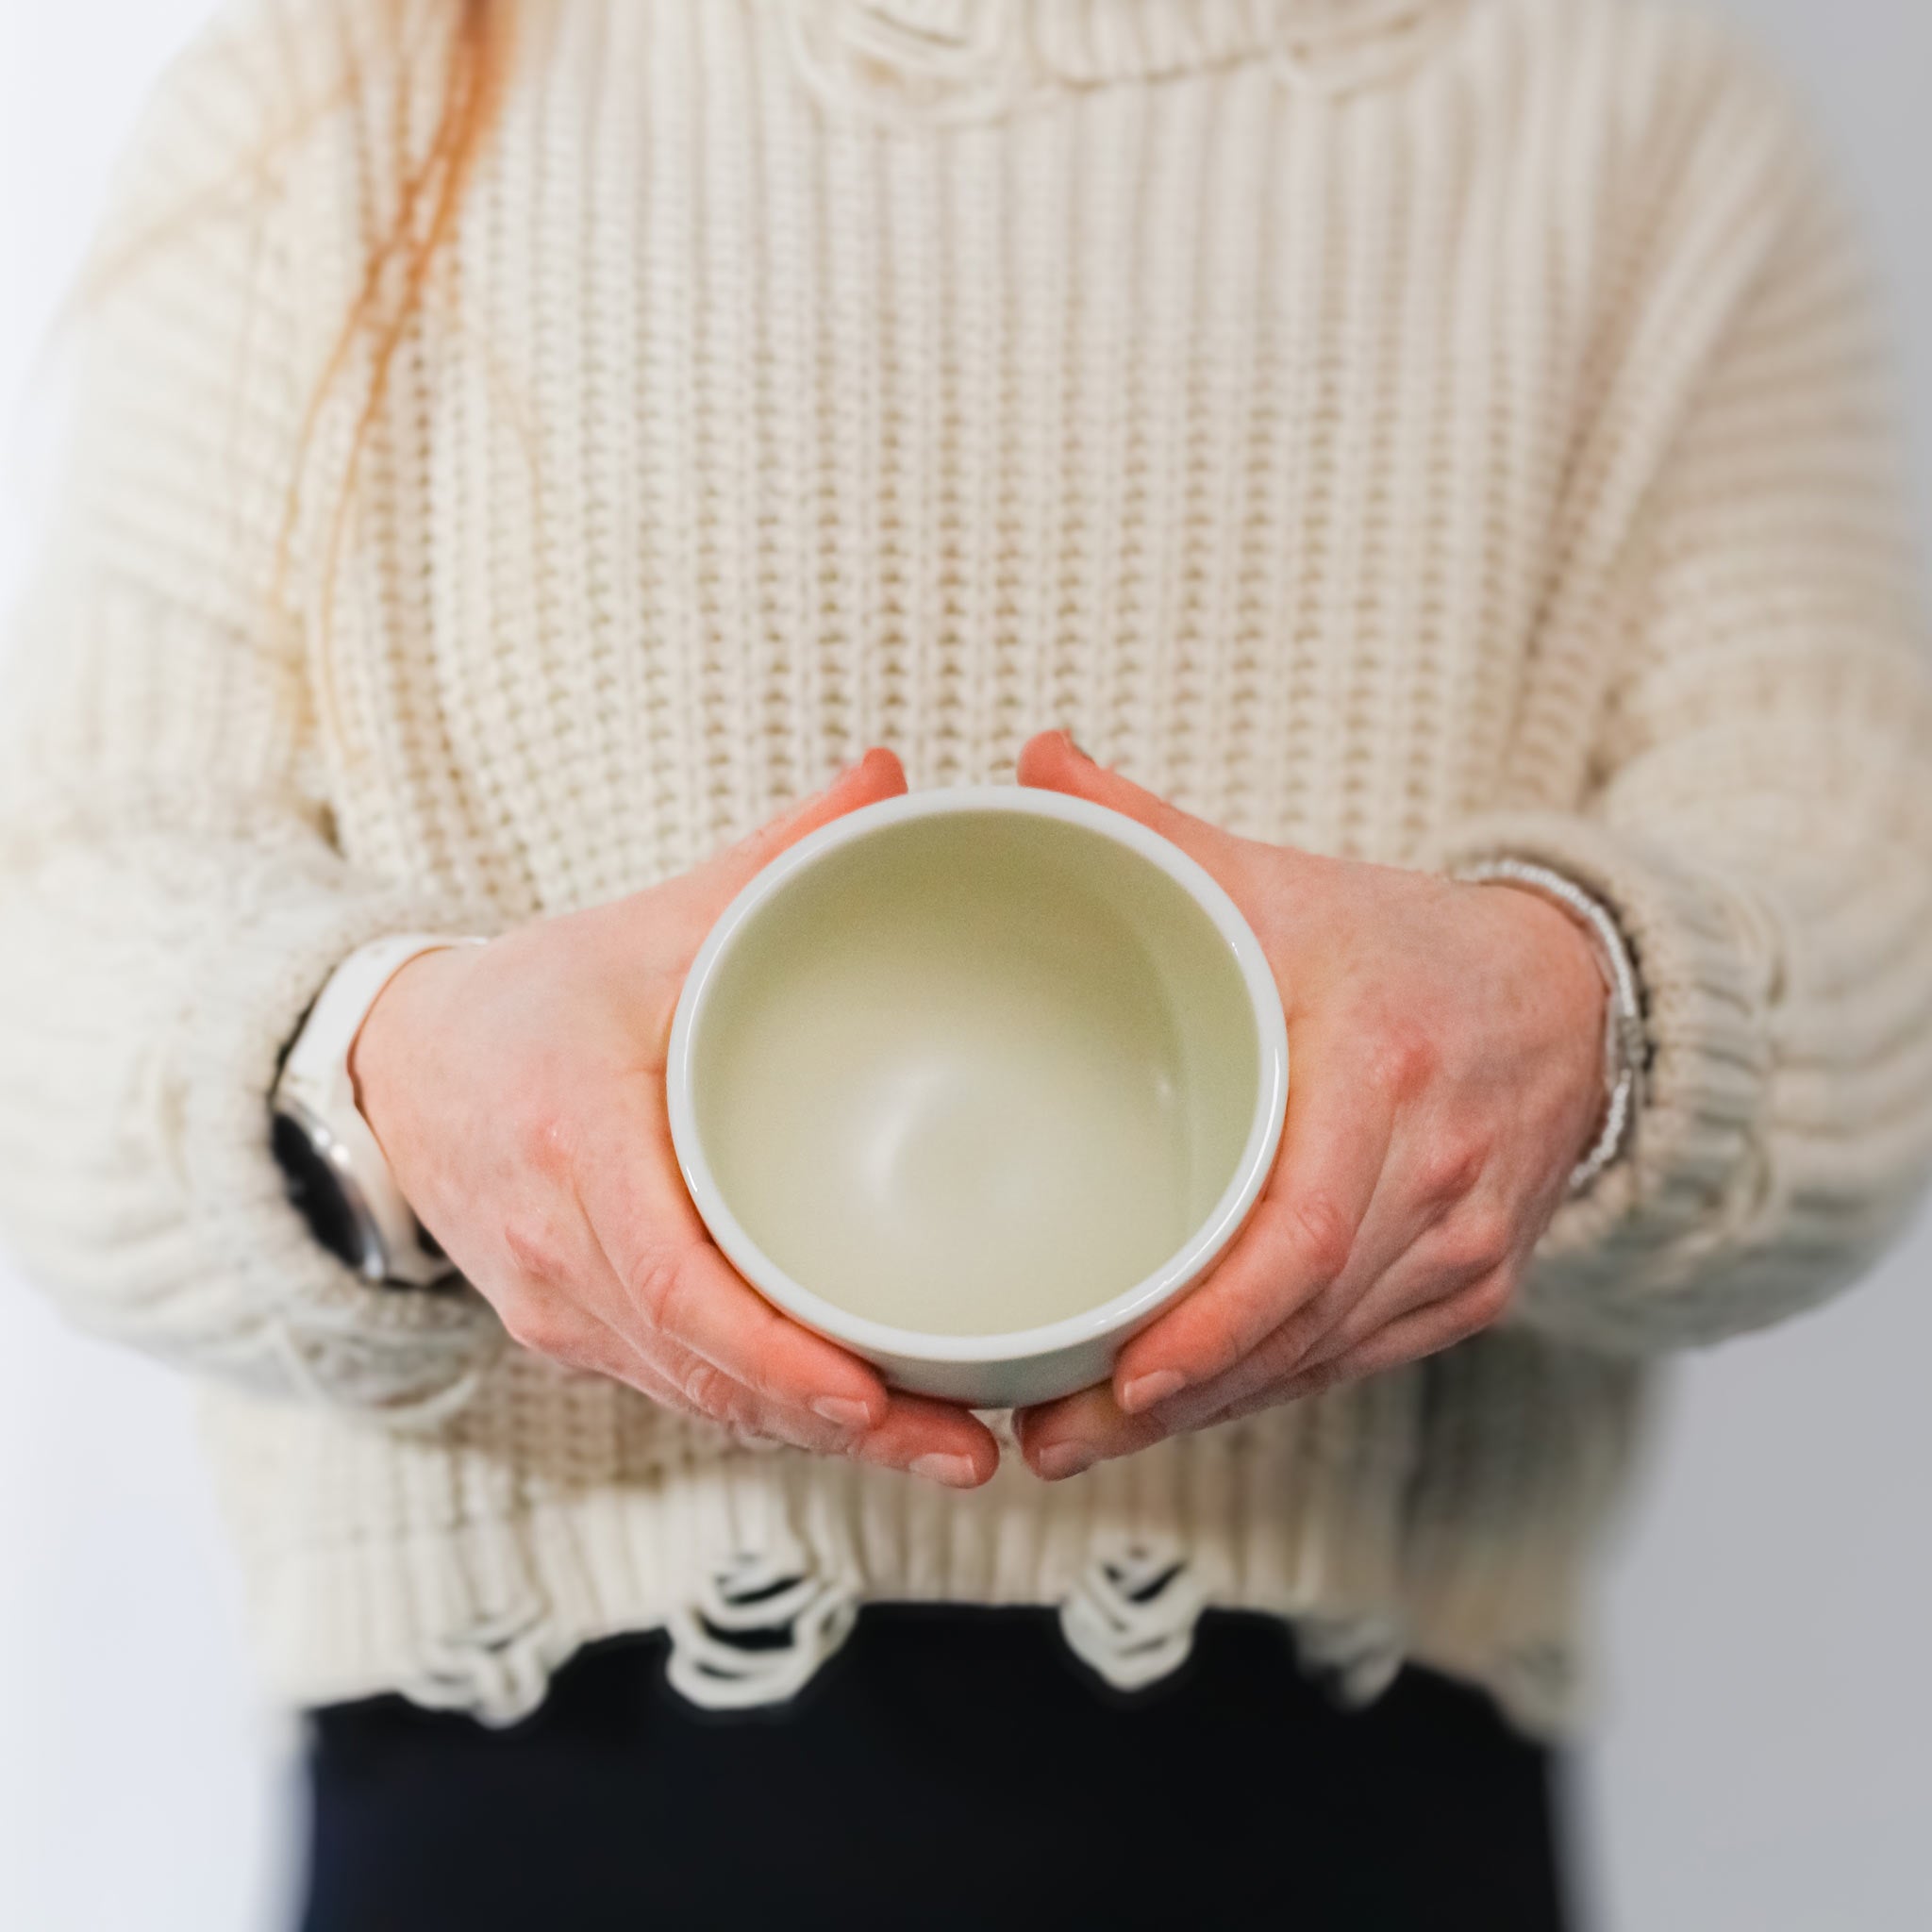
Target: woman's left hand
1447, 1075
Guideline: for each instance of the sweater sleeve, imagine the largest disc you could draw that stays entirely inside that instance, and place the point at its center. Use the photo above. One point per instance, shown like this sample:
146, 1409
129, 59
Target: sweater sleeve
1760, 820
171, 895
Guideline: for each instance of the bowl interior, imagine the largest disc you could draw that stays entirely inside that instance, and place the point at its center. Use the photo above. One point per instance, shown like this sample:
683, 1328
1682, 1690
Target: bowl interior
974, 1072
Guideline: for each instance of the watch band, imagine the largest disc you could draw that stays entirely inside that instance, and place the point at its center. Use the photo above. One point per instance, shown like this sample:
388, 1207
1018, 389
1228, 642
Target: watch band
315, 1094
1626, 1046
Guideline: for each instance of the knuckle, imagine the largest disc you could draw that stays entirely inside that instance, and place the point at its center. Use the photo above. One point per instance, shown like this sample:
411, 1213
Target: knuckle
545, 1138
1452, 1166
1315, 1381
653, 1284
1404, 1058
535, 1252
539, 1325
1487, 1301
1480, 1241
1322, 1233
710, 1392
1287, 1347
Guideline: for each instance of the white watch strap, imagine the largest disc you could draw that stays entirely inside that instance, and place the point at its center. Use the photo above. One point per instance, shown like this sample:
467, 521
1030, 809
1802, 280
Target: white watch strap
315, 1090
1625, 1045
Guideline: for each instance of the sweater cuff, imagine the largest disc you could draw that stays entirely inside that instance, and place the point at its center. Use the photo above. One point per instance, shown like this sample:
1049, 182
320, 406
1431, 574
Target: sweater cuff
411, 1354
1708, 964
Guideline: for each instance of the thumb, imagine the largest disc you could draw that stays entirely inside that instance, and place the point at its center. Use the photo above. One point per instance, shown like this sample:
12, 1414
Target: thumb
877, 775
1055, 764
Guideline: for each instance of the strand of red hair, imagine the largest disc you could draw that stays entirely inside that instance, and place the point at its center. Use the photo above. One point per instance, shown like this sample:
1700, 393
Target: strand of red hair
400, 270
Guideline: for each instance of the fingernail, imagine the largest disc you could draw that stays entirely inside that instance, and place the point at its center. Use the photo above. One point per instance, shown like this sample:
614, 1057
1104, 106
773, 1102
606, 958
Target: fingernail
956, 1472
843, 1412
1059, 1460
1143, 1391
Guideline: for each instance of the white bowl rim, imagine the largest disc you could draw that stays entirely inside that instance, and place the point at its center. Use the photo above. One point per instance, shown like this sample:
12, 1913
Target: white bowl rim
1121, 1312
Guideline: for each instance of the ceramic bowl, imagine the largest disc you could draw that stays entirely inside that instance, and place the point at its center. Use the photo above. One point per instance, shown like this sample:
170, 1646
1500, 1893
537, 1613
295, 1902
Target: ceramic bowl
975, 1082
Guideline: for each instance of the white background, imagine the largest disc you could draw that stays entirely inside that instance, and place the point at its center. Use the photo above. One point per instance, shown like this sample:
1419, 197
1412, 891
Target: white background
1766, 1764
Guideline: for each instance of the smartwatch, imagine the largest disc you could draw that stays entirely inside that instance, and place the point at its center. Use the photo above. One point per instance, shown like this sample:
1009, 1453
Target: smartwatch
338, 1177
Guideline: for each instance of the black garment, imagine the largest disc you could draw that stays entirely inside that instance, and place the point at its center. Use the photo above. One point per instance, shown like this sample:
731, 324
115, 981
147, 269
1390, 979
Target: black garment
951, 1766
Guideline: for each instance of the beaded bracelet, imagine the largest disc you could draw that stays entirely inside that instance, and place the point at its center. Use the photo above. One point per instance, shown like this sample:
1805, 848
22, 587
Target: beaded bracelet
1626, 1048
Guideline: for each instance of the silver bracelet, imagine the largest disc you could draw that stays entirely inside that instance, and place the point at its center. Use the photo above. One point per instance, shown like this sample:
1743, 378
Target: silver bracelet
1626, 1047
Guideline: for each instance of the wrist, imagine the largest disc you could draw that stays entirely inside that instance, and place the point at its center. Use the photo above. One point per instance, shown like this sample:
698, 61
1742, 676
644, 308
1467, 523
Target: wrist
397, 1021
1618, 1003
1565, 957
335, 1160
1566, 965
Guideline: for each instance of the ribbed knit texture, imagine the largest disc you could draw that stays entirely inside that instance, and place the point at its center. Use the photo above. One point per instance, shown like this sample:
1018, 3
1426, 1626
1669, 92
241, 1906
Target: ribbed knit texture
1415, 431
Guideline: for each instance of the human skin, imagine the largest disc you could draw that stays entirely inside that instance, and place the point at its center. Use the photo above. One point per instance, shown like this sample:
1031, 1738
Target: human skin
1446, 1046
518, 1091
1445, 1043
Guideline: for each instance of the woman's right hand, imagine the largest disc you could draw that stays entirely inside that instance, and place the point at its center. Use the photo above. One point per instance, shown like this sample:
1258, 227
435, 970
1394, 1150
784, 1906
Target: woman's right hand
518, 1091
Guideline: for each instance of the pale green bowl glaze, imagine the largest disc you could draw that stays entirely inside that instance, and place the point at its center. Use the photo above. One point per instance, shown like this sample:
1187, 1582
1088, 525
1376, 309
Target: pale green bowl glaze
975, 1082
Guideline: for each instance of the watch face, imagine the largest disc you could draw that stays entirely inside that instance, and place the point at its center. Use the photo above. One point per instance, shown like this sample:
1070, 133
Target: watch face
317, 1192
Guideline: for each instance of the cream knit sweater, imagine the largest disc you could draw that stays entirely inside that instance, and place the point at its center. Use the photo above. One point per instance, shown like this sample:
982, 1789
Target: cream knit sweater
1414, 430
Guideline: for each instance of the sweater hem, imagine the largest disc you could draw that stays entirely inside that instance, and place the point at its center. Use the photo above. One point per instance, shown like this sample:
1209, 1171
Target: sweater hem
755, 1564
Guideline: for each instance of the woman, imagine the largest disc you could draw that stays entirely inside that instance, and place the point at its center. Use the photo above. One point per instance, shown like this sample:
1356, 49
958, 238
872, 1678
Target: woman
1425, 453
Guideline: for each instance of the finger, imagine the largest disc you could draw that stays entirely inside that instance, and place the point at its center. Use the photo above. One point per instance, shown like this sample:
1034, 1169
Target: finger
877, 775
1052, 762
1065, 1438
1422, 1240
694, 1297
690, 1295
1389, 1234
548, 1320
1462, 1252
673, 1282
1271, 1363
935, 1440
1061, 1439
916, 1435
713, 1313
555, 1302
1335, 1146
939, 1440
1423, 1332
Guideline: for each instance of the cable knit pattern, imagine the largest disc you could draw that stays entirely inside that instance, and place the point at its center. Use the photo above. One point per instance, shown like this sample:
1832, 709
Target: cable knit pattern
1418, 431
